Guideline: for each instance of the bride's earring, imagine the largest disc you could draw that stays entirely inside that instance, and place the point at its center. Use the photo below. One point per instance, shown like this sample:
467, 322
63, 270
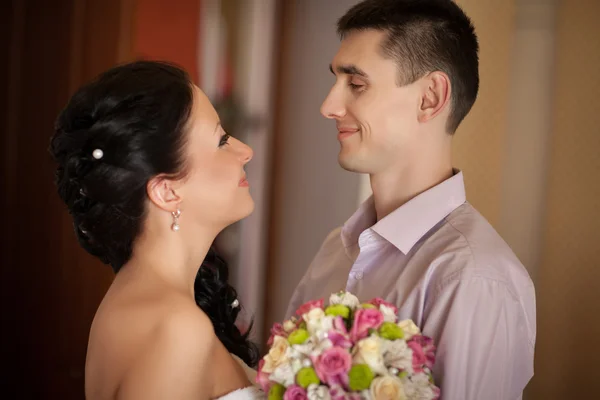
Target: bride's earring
175, 225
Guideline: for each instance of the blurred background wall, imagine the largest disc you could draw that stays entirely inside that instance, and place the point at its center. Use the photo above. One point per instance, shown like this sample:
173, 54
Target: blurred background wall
529, 151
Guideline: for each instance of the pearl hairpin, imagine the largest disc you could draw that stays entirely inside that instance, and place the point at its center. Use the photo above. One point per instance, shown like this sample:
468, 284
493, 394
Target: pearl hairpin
97, 154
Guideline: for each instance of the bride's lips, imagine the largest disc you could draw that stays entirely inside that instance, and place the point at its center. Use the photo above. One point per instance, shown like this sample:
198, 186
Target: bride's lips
345, 132
244, 182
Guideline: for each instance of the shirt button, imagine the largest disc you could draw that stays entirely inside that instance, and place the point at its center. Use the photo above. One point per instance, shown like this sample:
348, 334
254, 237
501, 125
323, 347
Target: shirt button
358, 275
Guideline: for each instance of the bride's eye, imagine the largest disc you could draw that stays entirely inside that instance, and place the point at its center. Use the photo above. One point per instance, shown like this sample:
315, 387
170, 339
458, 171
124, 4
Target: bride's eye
224, 140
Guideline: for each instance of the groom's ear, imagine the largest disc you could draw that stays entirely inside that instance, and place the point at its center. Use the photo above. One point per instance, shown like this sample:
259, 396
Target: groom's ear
435, 95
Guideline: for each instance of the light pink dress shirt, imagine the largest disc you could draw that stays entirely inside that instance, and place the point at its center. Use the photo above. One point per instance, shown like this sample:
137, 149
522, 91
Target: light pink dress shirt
448, 270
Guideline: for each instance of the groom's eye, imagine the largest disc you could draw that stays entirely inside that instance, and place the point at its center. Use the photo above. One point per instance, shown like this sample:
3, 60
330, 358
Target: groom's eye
356, 85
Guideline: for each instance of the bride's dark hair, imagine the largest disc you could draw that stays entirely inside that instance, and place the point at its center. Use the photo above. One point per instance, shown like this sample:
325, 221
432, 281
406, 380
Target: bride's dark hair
115, 134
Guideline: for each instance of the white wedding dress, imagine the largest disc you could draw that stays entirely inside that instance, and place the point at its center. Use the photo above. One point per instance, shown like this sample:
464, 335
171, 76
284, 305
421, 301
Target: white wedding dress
248, 393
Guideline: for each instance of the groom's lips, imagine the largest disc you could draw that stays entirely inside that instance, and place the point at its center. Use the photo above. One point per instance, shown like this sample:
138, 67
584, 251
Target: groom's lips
345, 132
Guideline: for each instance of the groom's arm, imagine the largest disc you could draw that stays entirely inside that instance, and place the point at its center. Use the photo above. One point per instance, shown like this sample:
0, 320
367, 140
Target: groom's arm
484, 338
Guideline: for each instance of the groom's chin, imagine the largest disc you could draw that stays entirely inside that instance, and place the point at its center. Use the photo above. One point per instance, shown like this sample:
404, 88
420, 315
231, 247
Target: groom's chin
350, 162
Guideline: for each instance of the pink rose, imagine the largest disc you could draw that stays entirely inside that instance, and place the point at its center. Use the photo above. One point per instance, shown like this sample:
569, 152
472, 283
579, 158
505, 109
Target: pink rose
339, 334
332, 366
306, 307
423, 352
365, 319
294, 392
379, 301
262, 378
276, 330
339, 340
339, 325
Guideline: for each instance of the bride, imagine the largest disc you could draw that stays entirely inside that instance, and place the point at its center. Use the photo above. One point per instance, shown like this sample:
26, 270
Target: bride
150, 178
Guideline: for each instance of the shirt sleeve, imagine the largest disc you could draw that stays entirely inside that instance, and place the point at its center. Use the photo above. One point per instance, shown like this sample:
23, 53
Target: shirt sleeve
483, 346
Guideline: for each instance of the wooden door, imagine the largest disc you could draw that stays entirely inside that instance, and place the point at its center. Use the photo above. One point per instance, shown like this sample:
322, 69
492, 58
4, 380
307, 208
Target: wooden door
50, 288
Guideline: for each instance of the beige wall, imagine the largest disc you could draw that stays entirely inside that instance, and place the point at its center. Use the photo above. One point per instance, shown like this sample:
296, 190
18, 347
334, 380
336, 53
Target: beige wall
480, 140
568, 284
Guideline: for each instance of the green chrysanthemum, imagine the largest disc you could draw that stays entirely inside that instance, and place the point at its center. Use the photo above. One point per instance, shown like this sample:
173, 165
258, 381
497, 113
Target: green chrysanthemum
276, 392
306, 377
338, 310
361, 377
298, 336
390, 331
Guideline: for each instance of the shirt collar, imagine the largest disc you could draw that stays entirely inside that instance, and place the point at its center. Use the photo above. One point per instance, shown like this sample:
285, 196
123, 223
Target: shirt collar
406, 225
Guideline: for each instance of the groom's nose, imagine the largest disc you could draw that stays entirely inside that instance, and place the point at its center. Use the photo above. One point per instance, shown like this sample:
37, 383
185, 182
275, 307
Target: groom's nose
333, 107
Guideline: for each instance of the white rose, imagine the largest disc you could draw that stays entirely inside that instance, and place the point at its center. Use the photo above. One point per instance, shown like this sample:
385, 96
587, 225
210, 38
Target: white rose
316, 392
368, 351
313, 314
295, 358
321, 347
296, 366
324, 327
305, 348
388, 313
317, 323
277, 354
398, 355
289, 326
312, 347
313, 319
283, 374
419, 387
387, 388
409, 328
345, 298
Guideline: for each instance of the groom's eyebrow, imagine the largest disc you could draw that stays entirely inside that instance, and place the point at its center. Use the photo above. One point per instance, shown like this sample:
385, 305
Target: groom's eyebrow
348, 69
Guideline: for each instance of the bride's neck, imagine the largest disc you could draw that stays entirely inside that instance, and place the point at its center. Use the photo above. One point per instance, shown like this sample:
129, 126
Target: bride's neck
172, 257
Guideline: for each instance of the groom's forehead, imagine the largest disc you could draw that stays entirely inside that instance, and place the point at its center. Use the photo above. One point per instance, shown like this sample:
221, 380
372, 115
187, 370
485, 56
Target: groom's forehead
363, 43
361, 49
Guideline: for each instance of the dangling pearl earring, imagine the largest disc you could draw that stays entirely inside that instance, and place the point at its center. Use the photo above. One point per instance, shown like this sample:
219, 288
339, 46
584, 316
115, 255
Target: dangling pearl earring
175, 214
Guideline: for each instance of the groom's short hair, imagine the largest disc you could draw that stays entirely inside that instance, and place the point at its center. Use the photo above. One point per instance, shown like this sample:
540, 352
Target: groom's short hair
424, 36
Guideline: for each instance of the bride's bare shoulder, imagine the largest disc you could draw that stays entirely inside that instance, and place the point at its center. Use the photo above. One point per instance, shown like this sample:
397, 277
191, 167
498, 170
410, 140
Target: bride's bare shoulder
175, 361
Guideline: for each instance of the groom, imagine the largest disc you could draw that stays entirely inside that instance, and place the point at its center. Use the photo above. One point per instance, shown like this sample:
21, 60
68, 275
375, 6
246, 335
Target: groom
406, 76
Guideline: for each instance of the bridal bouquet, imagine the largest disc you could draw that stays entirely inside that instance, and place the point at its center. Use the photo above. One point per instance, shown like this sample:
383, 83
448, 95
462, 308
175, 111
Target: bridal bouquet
347, 350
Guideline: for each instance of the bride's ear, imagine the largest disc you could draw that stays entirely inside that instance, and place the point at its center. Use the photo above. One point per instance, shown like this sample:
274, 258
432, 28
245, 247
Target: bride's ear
163, 193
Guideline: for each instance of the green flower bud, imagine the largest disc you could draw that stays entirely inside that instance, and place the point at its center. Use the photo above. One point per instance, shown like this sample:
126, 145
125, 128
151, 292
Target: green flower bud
361, 377
306, 377
338, 310
276, 392
391, 331
298, 336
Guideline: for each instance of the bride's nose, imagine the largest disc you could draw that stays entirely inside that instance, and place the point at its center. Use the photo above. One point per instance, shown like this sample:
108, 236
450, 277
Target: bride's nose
245, 152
